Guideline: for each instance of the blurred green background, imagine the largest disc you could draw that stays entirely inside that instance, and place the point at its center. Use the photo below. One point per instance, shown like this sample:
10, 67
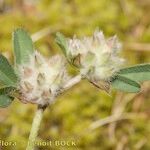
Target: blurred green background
84, 115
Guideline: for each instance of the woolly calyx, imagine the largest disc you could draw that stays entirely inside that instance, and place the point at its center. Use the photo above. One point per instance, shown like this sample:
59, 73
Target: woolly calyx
42, 79
96, 57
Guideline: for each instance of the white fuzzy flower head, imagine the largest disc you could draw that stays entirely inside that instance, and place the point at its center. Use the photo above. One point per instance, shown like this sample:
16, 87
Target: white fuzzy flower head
41, 79
96, 57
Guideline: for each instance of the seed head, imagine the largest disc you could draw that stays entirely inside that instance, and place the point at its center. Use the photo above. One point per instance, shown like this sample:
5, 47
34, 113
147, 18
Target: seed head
96, 57
41, 79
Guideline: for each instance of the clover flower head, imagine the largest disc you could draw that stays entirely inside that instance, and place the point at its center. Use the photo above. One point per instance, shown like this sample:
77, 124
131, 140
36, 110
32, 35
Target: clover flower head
41, 79
96, 57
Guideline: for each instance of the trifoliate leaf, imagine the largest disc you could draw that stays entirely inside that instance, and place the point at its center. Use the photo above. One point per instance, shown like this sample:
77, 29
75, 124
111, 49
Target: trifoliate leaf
5, 101
125, 84
61, 41
137, 73
7, 74
23, 46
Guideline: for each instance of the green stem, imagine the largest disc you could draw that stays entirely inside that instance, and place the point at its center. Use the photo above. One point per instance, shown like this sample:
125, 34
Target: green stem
35, 128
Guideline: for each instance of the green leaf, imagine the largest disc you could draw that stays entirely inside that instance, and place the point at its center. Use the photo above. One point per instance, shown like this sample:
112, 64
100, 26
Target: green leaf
5, 101
137, 73
124, 84
23, 46
6, 90
7, 74
61, 41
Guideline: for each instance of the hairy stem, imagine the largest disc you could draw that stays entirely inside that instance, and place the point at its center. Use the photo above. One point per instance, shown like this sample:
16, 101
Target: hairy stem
72, 82
35, 128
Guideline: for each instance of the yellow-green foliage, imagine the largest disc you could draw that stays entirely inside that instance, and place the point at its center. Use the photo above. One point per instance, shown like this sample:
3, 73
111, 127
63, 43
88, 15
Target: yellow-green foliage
70, 117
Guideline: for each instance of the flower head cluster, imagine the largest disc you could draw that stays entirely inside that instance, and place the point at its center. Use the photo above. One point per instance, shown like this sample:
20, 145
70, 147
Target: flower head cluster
96, 57
41, 79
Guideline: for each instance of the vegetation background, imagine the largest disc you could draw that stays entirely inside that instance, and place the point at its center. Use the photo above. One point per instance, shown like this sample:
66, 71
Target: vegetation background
84, 114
